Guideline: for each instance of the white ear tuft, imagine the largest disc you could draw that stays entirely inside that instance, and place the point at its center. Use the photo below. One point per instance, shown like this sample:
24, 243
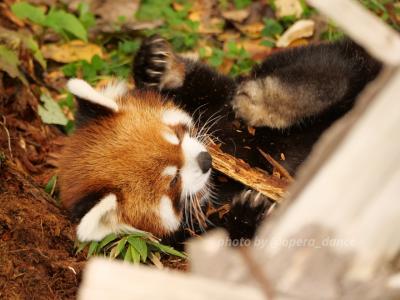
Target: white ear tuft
82, 89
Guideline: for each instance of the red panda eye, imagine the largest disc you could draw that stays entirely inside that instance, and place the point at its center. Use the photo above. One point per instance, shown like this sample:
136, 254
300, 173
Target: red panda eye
174, 181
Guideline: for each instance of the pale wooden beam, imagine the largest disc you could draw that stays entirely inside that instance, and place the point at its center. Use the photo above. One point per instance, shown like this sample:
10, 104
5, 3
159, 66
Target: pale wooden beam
364, 27
106, 279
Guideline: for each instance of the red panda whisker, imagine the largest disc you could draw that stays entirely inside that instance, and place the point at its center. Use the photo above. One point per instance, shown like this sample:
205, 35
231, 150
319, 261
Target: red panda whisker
209, 123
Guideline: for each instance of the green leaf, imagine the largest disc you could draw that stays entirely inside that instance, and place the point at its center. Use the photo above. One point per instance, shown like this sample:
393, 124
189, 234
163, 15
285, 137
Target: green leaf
9, 63
92, 248
25, 10
70, 70
68, 101
108, 239
128, 256
140, 246
33, 46
97, 63
240, 4
129, 47
267, 43
168, 250
152, 9
135, 255
82, 245
117, 249
87, 19
88, 71
60, 21
50, 112
50, 186
272, 28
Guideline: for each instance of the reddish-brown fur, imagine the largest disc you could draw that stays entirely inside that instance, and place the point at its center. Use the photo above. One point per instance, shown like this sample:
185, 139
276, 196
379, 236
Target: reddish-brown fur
126, 153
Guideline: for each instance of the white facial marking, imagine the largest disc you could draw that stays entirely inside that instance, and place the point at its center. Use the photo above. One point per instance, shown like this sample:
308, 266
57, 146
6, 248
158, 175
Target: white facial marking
115, 89
101, 220
170, 171
170, 137
168, 217
82, 89
193, 178
174, 117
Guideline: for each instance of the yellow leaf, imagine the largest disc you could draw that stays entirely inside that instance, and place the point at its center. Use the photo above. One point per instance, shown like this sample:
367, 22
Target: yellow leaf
300, 29
72, 51
236, 15
286, 8
252, 30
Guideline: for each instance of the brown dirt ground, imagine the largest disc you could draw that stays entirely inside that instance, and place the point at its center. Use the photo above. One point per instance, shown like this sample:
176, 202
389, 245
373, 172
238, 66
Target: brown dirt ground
37, 257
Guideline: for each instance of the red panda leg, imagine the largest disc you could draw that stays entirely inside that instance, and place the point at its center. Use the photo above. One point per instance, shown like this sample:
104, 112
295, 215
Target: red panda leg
189, 82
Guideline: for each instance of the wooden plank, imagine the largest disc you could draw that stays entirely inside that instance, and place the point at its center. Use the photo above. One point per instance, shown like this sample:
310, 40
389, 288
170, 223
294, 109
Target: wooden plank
106, 279
364, 27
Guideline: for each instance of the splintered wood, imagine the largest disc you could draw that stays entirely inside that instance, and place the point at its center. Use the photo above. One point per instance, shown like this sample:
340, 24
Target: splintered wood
268, 185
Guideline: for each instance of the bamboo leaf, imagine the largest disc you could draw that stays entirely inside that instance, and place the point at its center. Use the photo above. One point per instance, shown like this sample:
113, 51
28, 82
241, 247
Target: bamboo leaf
108, 239
140, 246
156, 261
135, 254
128, 256
92, 248
169, 250
50, 186
119, 247
81, 246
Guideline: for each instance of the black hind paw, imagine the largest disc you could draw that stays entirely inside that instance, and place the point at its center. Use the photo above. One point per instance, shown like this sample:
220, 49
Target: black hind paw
247, 211
156, 66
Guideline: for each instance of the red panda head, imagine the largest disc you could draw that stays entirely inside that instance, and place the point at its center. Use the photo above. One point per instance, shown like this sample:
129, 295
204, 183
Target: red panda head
133, 163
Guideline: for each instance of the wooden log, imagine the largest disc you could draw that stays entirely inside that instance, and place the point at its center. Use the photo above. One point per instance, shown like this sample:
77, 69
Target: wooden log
268, 185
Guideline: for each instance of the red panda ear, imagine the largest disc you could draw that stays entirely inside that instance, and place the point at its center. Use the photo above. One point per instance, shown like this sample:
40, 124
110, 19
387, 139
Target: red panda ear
94, 104
99, 221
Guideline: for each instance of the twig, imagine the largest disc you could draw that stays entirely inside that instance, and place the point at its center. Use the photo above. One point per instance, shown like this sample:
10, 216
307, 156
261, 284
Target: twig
8, 136
238, 170
277, 166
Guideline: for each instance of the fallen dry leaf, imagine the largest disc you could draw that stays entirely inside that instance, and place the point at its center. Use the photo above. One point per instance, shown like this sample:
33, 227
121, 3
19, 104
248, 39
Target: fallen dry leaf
251, 30
236, 15
300, 29
228, 35
72, 51
286, 8
254, 48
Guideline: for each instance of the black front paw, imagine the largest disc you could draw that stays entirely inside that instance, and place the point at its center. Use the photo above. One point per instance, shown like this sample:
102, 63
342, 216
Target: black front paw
247, 211
151, 62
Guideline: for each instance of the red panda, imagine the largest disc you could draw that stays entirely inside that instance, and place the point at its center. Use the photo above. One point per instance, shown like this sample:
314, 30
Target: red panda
137, 162
132, 164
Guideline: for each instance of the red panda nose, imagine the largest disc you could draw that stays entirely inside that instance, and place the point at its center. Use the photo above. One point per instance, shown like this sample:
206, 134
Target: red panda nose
204, 160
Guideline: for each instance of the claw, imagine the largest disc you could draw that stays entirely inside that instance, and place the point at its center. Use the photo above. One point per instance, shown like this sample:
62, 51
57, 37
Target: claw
157, 40
163, 53
151, 72
159, 61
